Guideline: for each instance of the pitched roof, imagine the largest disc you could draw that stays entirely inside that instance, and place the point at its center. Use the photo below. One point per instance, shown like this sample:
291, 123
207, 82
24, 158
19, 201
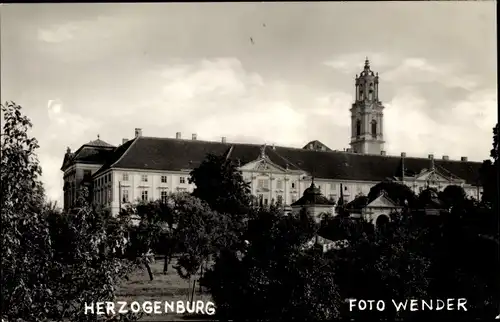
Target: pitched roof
150, 153
89, 155
358, 203
99, 143
312, 196
316, 145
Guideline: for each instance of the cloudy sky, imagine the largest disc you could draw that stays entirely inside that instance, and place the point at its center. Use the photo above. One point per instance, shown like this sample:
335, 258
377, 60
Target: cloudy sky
80, 70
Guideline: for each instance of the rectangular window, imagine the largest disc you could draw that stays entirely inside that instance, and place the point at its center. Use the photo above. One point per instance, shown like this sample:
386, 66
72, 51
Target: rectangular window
279, 184
144, 178
105, 179
164, 196
182, 180
293, 185
333, 186
263, 183
125, 177
266, 201
280, 199
144, 195
125, 197
163, 179
109, 177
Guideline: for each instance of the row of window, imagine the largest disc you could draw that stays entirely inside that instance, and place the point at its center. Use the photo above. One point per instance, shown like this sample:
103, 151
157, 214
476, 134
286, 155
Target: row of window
145, 178
373, 124
264, 183
101, 180
125, 195
103, 196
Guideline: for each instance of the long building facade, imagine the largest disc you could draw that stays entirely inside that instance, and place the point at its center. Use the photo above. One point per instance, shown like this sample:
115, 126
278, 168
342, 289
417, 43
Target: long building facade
149, 168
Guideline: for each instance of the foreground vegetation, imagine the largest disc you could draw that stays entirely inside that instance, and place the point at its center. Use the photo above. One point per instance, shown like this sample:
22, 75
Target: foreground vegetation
252, 261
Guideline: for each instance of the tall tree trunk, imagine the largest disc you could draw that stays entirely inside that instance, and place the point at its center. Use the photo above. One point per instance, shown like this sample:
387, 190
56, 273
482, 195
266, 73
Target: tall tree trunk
165, 264
149, 270
201, 276
192, 292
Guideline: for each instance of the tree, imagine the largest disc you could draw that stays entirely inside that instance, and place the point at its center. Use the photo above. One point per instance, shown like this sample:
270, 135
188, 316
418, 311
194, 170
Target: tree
23, 224
52, 263
274, 273
383, 264
86, 262
195, 233
489, 176
453, 195
398, 192
154, 233
220, 184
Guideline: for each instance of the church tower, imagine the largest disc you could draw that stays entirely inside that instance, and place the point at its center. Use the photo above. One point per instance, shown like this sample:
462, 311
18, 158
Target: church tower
367, 131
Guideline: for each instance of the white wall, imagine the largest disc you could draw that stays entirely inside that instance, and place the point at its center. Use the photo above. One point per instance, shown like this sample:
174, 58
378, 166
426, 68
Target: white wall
154, 186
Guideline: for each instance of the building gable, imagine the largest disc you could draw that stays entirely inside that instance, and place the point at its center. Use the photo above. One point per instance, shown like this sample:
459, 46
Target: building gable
382, 201
436, 176
262, 165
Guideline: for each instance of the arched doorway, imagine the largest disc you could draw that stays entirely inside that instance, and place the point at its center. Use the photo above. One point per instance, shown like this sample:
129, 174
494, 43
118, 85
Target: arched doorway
381, 221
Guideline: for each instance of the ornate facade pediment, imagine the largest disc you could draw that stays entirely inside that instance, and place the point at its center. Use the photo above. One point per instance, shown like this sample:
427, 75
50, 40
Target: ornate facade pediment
436, 177
262, 165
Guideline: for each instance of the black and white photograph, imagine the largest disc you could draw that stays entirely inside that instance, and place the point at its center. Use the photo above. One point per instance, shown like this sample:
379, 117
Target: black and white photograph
270, 161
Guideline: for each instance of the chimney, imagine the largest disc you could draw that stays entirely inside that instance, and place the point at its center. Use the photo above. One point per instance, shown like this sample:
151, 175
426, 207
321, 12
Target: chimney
431, 156
178, 135
124, 141
138, 132
463, 159
382, 152
445, 157
223, 139
403, 154
193, 136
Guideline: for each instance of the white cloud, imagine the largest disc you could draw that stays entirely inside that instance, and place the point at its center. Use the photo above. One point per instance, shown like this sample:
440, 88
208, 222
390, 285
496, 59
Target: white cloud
102, 27
63, 128
466, 128
420, 70
52, 176
54, 106
219, 97
57, 34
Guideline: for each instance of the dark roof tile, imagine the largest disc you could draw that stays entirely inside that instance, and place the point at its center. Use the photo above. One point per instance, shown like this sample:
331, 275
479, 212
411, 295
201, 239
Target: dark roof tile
176, 154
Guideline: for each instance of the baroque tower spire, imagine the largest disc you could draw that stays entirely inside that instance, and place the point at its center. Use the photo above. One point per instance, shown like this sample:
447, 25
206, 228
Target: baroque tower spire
367, 135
